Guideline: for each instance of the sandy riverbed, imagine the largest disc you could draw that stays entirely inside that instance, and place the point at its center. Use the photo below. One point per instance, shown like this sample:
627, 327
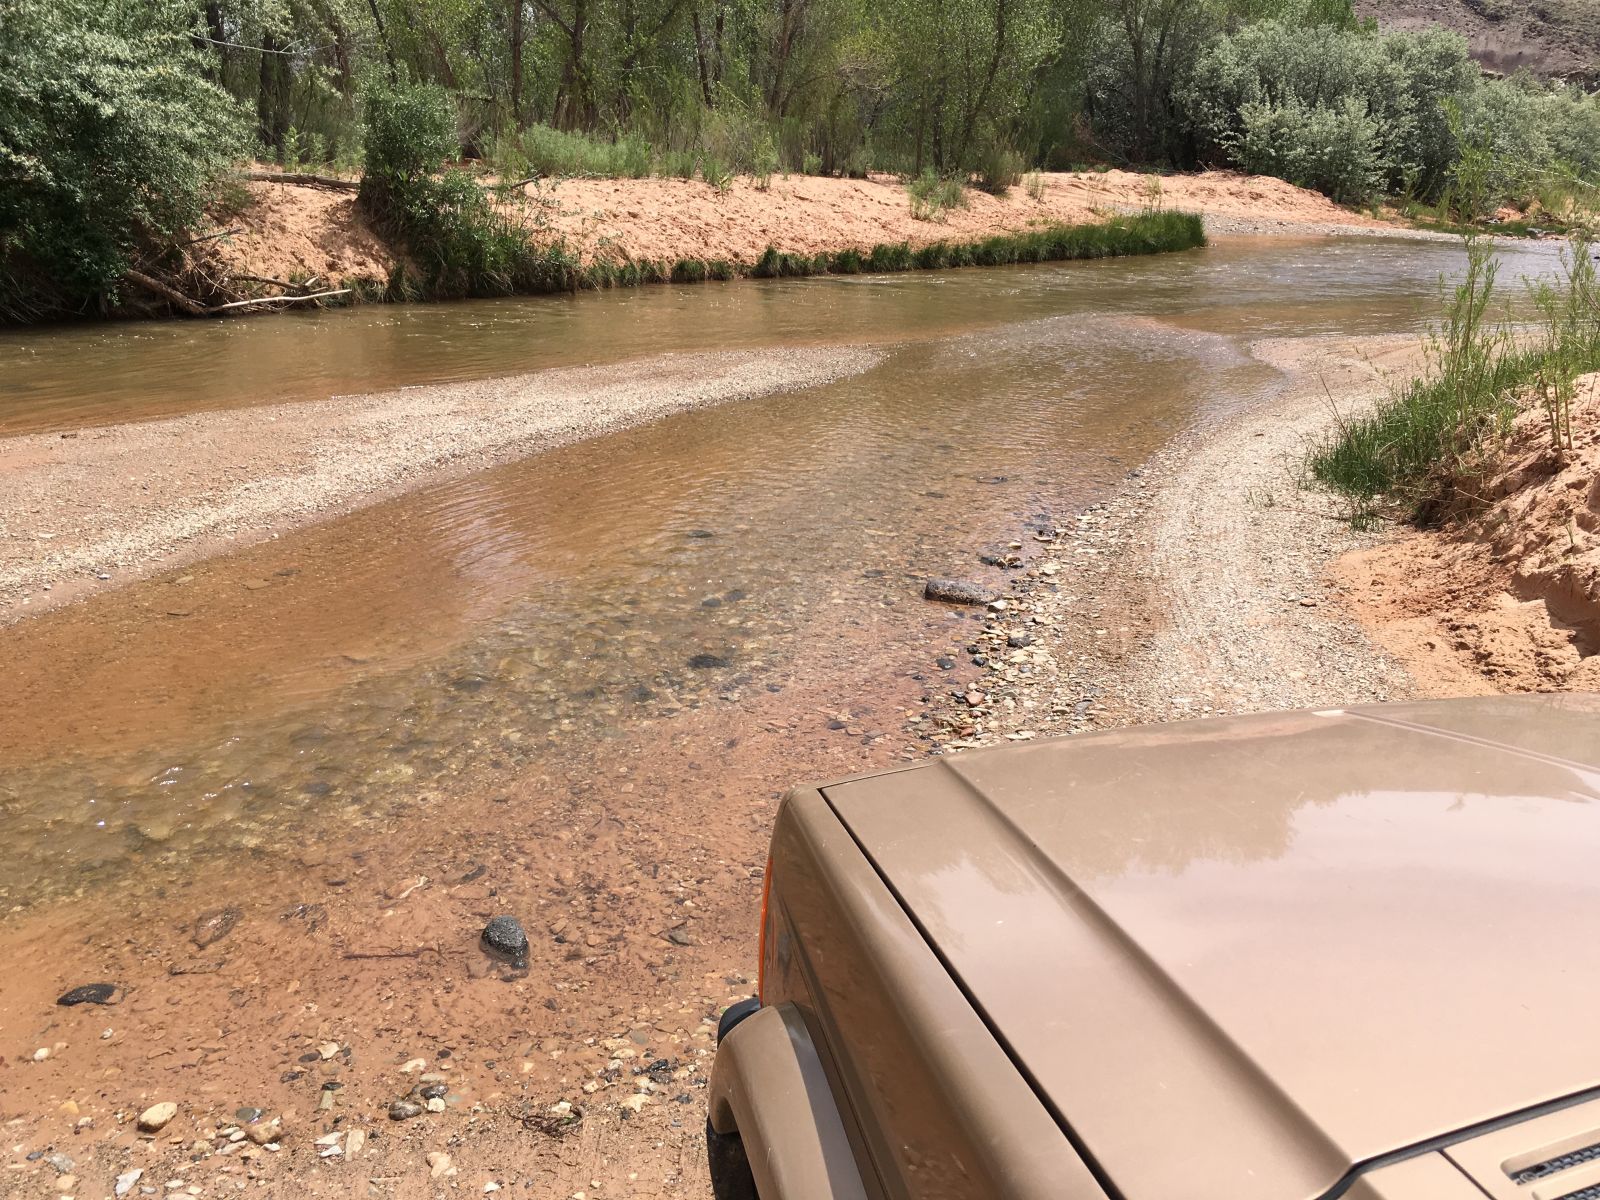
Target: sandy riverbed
85, 511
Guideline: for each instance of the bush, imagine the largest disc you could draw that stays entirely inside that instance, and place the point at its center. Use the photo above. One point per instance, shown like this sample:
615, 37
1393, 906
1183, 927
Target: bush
998, 168
1342, 110
456, 242
1333, 150
111, 143
410, 128
934, 195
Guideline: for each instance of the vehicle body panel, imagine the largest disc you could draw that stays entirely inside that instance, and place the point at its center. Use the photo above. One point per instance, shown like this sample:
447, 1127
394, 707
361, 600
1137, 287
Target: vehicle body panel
932, 1103
1237, 957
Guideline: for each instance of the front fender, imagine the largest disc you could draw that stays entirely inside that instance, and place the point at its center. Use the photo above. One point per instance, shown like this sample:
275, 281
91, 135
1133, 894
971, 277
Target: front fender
768, 1086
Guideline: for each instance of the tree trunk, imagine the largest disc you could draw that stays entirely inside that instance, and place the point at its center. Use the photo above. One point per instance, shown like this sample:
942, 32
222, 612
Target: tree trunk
700, 59
272, 95
518, 36
383, 40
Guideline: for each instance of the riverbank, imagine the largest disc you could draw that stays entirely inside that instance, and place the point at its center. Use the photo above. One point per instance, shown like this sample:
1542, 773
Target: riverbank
295, 231
88, 510
1200, 589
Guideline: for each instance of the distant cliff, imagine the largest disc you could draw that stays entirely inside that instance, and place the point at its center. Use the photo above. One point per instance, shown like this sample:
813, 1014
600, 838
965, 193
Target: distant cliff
1551, 38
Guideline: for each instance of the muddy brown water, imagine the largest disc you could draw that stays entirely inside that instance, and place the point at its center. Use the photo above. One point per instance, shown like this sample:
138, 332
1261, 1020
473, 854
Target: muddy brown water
519, 622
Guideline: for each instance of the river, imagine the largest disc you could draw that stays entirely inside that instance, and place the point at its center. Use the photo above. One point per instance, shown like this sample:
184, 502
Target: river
584, 676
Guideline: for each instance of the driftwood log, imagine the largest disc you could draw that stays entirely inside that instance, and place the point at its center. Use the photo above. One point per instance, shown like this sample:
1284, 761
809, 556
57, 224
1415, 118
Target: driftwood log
303, 179
195, 309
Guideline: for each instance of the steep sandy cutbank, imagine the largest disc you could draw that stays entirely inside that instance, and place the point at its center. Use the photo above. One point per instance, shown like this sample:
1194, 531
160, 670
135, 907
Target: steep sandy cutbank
294, 231
86, 511
1508, 601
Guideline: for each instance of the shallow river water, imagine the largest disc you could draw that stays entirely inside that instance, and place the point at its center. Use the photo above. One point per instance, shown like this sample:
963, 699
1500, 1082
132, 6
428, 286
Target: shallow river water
531, 614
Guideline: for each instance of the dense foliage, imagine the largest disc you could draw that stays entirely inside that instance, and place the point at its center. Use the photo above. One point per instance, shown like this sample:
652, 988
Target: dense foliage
117, 118
111, 138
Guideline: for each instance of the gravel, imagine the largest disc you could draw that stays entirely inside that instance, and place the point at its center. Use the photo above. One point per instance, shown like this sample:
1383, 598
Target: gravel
119, 502
1199, 589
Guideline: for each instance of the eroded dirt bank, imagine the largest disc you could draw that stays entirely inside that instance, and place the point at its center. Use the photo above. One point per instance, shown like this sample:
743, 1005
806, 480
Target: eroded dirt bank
85, 511
1509, 599
292, 231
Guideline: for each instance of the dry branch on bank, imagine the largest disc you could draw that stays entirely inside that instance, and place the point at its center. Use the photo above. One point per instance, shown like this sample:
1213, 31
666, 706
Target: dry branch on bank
195, 309
303, 179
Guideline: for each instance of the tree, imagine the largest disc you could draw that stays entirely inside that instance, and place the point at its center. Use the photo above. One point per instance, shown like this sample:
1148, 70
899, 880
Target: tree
111, 140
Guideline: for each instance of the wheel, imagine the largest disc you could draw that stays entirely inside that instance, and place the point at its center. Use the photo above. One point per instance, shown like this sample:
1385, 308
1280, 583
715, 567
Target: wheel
730, 1169
734, 1014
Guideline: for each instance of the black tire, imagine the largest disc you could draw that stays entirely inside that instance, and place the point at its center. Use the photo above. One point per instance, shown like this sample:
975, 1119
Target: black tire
730, 1169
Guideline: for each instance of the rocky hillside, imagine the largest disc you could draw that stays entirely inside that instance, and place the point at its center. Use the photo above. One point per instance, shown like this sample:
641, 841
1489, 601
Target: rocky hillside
1553, 38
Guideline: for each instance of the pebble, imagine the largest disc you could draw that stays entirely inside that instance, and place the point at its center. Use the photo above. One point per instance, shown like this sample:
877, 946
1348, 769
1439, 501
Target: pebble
404, 1110
505, 936
439, 1164
354, 1141
88, 993
127, 1179
957, 591
154, 1119
213, 926
262, 1132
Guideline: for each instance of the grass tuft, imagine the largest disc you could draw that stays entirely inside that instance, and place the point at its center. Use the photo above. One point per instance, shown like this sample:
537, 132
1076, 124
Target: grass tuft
1417, 453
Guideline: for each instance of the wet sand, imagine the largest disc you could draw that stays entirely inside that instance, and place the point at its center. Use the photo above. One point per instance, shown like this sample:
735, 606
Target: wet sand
84, 511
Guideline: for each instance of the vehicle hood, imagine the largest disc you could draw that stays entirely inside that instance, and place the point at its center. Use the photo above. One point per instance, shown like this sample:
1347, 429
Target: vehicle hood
1239, 957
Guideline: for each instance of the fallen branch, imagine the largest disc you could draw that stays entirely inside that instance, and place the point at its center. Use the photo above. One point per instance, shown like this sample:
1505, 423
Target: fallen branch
210, 237
322, 181
363, 954
275, 300
192, 307
283, 283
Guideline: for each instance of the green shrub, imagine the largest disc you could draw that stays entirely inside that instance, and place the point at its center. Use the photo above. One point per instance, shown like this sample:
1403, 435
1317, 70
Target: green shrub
456, 242
932, 196
1410, 451
111, 143
1331, 149
998, 168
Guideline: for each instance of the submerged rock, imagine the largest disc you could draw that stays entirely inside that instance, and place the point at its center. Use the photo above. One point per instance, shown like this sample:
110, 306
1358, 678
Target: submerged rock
707, 662
957, 591
213, 926
505, 936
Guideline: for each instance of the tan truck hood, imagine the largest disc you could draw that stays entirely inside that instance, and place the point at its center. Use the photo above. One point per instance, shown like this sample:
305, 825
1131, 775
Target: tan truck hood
1239, 957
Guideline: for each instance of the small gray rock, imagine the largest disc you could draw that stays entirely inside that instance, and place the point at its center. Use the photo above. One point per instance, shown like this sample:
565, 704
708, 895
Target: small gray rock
404, 1110
957, 591
505, 936
213, 926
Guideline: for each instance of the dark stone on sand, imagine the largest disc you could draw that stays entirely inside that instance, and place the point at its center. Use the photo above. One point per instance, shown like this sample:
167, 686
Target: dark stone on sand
707, 662
957, 591
88, 993
404, 1110
505, 936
